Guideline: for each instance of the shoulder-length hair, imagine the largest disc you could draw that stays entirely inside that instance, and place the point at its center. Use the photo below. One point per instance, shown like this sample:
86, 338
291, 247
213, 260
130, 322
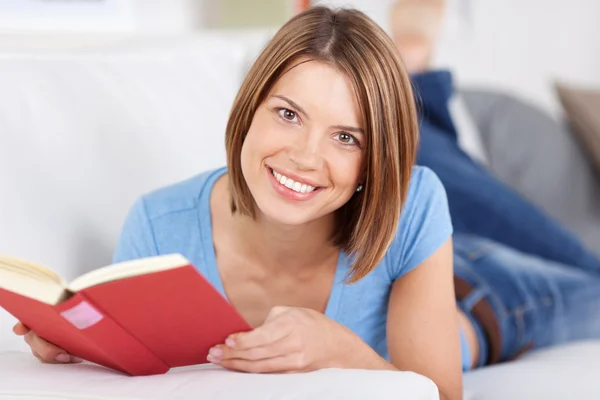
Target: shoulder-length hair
351, 42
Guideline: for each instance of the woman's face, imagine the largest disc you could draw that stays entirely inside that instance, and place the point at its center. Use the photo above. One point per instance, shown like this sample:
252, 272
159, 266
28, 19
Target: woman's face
302, 157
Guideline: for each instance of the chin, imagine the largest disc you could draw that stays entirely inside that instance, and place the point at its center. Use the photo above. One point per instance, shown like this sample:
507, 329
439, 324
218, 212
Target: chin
286, 215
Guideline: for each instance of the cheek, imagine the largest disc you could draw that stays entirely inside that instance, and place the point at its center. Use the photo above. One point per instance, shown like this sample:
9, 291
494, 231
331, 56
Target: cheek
345, 168
260, 137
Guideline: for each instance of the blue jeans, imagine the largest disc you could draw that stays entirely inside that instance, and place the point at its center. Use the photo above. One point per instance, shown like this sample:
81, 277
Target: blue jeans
535, 301
542, 283
480, 204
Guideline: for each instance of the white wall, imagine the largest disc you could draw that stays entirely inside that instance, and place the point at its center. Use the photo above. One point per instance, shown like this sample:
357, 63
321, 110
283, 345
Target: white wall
526, 45
515, 45
170, 16
521, 46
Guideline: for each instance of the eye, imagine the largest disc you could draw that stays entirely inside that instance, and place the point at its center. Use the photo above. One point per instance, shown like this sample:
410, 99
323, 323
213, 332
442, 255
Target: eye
288, 114
346, 139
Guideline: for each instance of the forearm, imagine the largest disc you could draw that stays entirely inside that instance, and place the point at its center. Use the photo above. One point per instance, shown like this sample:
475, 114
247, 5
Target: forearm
359, 355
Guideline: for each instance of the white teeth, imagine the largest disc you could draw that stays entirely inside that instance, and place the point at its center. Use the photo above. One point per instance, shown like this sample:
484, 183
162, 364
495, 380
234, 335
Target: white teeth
292, 184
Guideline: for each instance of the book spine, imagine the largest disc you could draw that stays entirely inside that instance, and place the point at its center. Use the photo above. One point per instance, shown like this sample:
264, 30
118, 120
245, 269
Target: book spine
115, 347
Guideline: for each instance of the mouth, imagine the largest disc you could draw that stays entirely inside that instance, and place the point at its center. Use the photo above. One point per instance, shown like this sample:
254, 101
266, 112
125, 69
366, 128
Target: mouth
292, 189
296, 186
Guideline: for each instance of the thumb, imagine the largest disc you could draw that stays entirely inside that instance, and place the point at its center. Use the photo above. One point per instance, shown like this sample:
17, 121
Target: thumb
20, 329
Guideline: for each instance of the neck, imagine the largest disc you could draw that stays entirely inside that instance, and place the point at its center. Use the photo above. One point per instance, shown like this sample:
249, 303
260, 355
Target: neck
286, 248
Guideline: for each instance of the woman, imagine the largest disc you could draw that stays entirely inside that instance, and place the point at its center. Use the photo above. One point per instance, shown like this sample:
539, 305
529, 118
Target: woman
321, 186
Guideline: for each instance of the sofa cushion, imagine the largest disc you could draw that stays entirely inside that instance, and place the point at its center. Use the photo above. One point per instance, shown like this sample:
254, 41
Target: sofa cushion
565, 372
537, 156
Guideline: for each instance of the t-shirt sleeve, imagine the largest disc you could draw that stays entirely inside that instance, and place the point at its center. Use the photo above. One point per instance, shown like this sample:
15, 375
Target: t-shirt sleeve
136, 239
425, 223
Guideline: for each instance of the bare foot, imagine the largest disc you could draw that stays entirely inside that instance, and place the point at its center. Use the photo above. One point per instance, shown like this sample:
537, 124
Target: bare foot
415, 27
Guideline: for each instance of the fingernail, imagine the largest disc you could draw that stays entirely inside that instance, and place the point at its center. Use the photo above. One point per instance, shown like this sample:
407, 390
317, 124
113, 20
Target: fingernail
63, 358
230, 342
213, 359
215, 352
76, 359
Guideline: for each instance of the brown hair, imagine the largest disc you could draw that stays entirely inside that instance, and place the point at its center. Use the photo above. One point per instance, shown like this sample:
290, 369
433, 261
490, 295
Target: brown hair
351, 42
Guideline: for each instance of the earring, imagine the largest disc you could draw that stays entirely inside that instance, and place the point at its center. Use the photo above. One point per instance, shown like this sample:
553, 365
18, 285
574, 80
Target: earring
359, 188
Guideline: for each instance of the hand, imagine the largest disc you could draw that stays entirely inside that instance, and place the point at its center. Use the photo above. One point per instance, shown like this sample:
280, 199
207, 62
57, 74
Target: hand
43, 350
290, 340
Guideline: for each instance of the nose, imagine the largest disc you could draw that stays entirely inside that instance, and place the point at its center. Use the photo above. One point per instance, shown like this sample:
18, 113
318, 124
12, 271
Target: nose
305, 152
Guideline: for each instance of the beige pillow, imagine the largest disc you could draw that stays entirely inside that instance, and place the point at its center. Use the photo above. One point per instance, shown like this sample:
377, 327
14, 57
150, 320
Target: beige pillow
582, 108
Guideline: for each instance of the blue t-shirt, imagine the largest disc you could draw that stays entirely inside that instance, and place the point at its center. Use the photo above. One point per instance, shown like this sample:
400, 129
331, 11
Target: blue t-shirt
177, 219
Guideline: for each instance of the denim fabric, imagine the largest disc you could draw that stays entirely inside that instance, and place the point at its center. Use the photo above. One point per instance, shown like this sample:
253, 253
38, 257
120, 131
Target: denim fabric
541, 281
479, 203
536, 301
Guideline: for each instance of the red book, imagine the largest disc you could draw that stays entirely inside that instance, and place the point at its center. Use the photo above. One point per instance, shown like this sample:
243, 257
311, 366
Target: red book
140, 317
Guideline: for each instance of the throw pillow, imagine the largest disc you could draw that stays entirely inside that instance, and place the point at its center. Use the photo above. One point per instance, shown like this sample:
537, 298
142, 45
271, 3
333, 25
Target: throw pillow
582, 108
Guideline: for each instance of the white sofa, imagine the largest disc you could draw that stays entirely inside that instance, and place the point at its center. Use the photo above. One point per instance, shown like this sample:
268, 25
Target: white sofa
84, 130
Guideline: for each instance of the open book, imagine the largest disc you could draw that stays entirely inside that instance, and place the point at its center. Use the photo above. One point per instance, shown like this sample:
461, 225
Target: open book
140, 317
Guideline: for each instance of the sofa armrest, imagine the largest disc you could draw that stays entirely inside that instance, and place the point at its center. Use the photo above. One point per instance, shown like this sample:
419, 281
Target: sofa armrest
24, 376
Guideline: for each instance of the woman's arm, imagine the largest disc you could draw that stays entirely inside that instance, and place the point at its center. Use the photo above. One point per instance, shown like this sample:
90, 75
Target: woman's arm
422, 324
422, 334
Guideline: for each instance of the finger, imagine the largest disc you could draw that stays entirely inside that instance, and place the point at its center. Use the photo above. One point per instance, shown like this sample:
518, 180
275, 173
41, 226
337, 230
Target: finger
47, 352
277, 311
282, 347
20, 329
268, 365
265, 334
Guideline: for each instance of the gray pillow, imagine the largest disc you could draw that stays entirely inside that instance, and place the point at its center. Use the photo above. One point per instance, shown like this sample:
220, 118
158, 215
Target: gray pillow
538, 157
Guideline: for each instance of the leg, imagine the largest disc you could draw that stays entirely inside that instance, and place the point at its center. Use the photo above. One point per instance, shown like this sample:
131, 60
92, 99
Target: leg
535, 302
479, 203
482, 205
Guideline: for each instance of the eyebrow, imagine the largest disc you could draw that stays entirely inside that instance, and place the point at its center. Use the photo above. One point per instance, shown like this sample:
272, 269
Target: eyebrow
302, 111
349, 129
293, 104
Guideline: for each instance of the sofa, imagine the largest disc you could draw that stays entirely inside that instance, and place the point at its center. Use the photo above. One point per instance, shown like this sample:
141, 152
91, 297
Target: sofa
85, 128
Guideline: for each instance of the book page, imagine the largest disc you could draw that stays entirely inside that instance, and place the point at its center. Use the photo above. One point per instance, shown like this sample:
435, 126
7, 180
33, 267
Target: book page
29, 269
46, 291
31, 280
128, 269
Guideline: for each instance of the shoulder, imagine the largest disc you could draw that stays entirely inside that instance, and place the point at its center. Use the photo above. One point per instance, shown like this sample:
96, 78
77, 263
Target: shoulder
181, 196
424, 223
163, 221
423, 183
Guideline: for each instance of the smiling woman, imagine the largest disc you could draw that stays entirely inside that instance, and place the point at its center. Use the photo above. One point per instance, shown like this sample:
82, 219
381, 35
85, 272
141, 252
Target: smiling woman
357, 84
321, 231
295, 133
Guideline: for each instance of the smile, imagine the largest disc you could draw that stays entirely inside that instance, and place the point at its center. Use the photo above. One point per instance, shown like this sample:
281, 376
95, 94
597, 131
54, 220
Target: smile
291, 184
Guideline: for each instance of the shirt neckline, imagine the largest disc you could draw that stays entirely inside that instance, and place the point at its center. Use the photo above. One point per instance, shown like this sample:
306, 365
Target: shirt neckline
205, 226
